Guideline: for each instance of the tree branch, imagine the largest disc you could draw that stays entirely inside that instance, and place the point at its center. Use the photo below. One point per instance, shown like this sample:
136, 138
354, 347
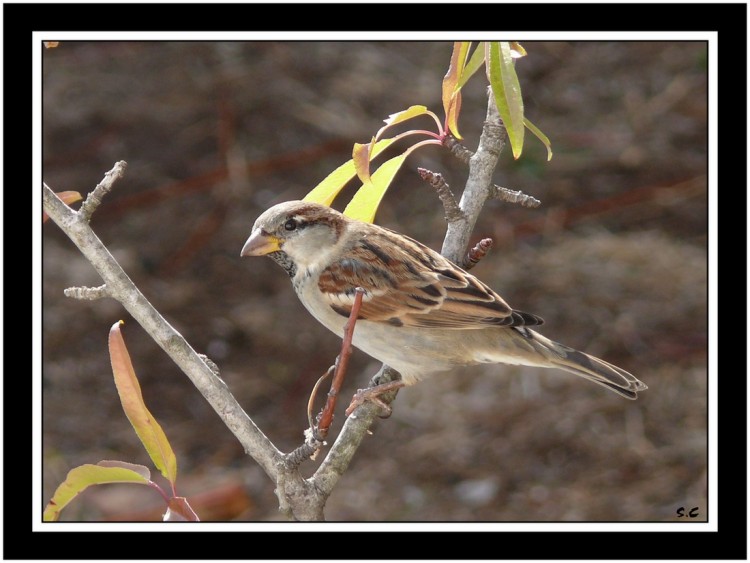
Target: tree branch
478, 186
118, 285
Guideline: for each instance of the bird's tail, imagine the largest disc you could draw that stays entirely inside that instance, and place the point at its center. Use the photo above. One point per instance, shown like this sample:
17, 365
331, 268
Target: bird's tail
593, 369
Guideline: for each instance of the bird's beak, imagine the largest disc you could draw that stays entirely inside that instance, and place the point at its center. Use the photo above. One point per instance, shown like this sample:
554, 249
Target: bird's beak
260, 243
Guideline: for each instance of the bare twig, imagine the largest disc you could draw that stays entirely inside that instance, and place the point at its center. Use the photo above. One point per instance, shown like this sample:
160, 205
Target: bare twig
457, 149
436, 180
87, 293
306, 451
481, 166
94, 199
476, 253
504, 194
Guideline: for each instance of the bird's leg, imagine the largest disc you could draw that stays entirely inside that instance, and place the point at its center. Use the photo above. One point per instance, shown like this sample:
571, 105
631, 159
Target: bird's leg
325, 417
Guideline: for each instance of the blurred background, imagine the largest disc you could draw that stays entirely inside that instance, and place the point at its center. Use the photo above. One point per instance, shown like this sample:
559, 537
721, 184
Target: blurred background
614, 260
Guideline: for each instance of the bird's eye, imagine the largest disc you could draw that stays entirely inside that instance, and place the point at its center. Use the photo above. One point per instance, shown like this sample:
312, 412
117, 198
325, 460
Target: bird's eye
290, 225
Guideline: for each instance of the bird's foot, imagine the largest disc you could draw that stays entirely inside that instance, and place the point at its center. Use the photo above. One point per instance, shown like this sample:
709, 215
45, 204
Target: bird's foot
372, 394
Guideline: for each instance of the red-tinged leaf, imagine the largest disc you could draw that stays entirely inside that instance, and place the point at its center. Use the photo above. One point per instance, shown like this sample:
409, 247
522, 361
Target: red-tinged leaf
541, 136
364, 205
361, 158
327, 190
148, 429
82, 477
178, 510
67, 198
475, 62
451, 93
507, 91
455, 69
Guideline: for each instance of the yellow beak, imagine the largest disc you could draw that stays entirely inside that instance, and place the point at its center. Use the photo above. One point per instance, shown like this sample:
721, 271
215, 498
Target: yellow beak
260, 243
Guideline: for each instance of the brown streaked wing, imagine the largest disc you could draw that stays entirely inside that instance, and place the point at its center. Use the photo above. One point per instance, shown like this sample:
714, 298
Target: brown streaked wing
412, 285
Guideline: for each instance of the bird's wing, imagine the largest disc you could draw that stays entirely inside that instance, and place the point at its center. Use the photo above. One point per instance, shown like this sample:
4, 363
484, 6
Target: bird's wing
412, 285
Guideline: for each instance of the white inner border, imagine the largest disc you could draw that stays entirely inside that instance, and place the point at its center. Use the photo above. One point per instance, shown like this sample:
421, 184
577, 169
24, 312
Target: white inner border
39, 503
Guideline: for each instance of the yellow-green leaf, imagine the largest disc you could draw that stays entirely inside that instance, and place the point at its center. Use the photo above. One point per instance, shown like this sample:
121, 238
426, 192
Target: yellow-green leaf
364, 205
541, 136
82, 477
475, 61
398, 117
451, 118
148, 429
327, 190
142, 470
502, 75
361, 158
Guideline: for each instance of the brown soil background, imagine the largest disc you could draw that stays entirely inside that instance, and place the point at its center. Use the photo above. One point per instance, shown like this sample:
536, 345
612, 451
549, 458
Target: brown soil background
213, 133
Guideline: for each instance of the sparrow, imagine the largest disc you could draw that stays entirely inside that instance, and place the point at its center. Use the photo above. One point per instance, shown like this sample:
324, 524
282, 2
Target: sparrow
420, 312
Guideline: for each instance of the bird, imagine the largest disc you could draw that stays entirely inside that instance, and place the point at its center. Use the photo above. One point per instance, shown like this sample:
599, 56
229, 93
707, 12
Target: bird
420, 313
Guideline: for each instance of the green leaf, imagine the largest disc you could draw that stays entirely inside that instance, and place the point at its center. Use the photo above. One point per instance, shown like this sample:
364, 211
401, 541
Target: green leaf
502, 75
148, 429
82, 477
541, 136
476, 61
327, 190
364, 205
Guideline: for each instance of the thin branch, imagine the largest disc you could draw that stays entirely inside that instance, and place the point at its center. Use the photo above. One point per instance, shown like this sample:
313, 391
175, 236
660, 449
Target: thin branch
87, 293
481, 166
457, 149
94, 199
306, 451
436, 180
504, 194
355, 428
120, 287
